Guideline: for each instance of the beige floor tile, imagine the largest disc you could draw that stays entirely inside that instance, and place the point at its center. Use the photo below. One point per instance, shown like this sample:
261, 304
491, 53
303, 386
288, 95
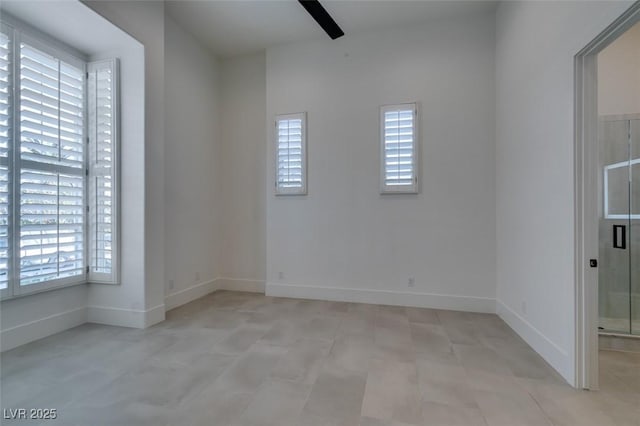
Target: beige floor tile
369, 421
335, 399
515, 408
432, 343
392, 392
352, 352
565, 406
231, 359
241, 338
250, 369
423, 315
392, 336
458, 330
437, 414
276, 403
481, 358
445, 384
215, 407
302, 361
319, 327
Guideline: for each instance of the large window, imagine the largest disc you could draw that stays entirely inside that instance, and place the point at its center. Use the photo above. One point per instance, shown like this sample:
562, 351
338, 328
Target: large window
58, 139
398, 149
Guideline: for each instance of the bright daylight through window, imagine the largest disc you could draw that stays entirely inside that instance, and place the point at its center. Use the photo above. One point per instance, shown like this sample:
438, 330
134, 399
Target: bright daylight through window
58, 128
291, 160
398, 144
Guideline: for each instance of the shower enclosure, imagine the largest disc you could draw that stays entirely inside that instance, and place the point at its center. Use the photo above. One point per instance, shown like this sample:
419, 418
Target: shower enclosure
619, 224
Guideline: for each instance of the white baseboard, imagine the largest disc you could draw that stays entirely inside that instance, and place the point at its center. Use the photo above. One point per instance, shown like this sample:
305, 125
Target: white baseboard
41, 328
154, 315
384, 297
235, 284
189, 294
133, 318
558, 358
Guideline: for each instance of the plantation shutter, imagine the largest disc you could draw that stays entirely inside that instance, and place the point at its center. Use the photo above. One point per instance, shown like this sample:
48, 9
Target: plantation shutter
291, 154
398, 128
103, 143
6, 49
51, 167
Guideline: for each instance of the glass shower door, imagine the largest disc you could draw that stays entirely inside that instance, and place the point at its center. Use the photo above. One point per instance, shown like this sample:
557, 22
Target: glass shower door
614, 274
634, 234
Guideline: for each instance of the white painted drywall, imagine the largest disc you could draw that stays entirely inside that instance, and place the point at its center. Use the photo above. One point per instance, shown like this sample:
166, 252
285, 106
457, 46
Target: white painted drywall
243, 149
346, 241
619, 75
192, 187
33, 317
144, 20
535, 47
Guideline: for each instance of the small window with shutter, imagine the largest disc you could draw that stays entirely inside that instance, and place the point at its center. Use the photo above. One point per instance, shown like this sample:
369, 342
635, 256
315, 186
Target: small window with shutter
291, 155
399, 149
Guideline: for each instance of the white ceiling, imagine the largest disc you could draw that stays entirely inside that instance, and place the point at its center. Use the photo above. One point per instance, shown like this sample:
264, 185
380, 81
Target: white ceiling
239, 27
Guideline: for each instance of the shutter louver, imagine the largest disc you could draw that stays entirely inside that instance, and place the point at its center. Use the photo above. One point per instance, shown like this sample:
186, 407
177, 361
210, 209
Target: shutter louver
5, 129
102, 124
290, 154
52, 168
399, 149
4, 227
51, 102
51, 226
5, 93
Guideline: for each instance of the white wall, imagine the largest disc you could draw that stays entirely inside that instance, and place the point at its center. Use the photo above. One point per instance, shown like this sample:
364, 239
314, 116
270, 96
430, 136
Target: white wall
192, 188
344, 240
144, 304
535, 47
243, 256
33, 317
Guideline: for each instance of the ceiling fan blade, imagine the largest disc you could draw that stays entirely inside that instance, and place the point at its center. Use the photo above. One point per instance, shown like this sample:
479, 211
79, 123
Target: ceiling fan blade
323, 18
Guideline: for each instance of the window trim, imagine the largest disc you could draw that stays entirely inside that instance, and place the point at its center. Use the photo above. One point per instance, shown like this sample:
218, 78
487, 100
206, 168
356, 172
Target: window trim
8, 292
18, 32
114, 277
415, 187
628, 164
52, 48
303, 189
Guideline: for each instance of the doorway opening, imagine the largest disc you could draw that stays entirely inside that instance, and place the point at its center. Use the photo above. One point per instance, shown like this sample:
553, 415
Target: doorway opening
607, 196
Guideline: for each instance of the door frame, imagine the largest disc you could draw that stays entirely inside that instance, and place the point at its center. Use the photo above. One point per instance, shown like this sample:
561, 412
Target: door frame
586, 197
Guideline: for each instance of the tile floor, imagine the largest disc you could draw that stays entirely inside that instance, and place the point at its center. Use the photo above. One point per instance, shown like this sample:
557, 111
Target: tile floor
244, 359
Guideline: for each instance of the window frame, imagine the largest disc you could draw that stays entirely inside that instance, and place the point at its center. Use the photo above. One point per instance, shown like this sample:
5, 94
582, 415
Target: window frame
6, 293
296, 190
629, 165
18, 32
51, 47
414, 188
114, 277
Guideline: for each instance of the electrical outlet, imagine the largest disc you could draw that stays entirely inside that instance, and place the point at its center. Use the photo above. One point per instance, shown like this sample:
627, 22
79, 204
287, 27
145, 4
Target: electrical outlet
171, 284
411, 282
281, 275
197, 276
524, 307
